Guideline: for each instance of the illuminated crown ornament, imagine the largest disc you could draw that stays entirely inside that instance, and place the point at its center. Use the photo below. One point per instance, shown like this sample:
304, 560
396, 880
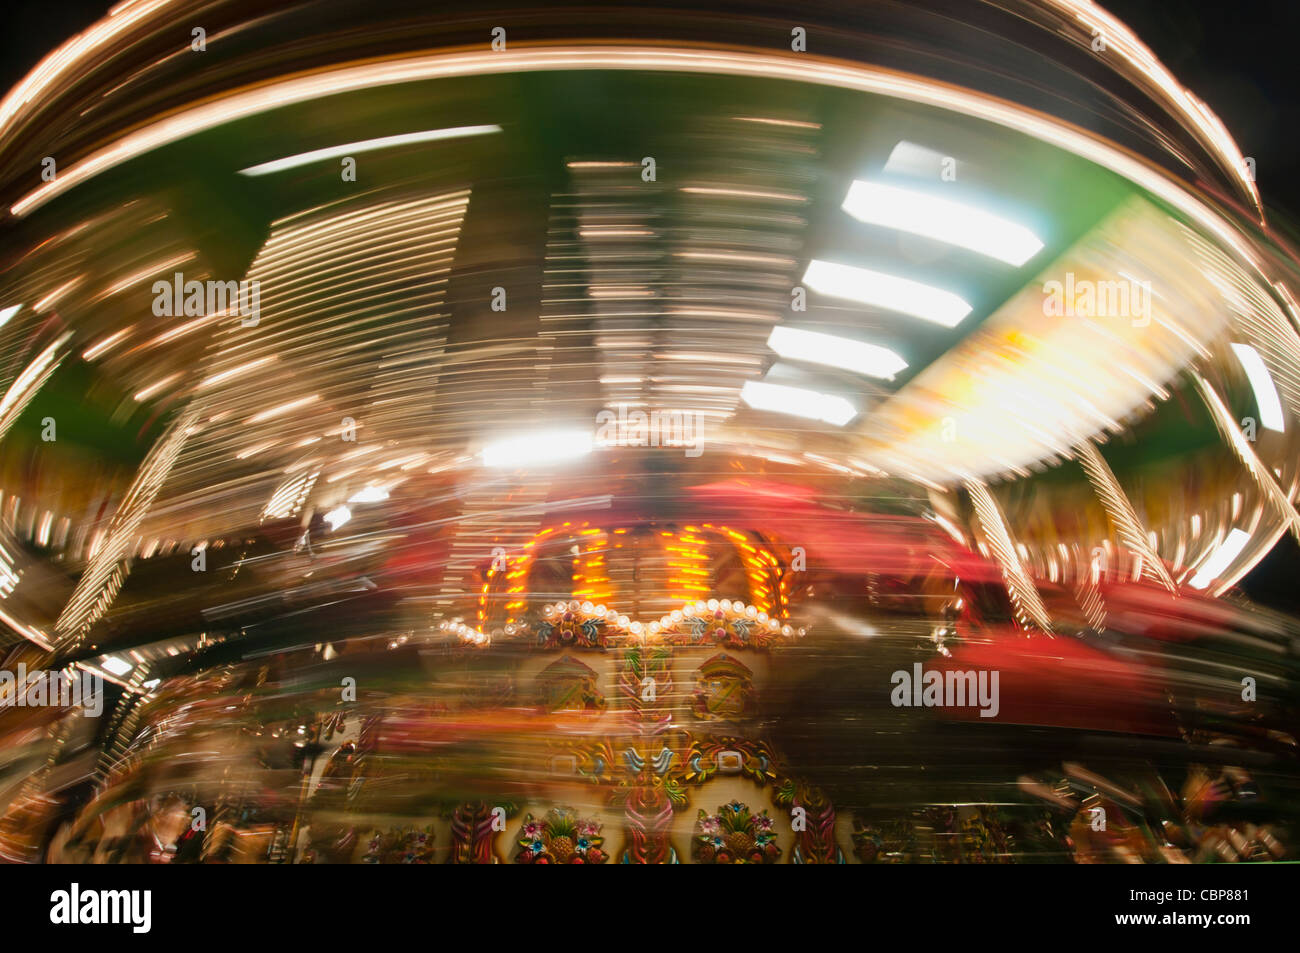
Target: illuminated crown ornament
578, 625
582, 625
467, 633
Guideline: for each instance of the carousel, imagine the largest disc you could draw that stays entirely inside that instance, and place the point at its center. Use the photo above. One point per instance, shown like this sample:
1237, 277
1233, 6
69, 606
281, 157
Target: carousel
638, 440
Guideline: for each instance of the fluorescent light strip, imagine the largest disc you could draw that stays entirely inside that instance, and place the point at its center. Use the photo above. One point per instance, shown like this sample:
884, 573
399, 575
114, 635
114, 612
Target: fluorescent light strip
791, 123
366, 145
157, 267
745, 193
226, 375
338, 516
798, 402
834, 351
57, 294
886, 291
907, 158
104, 344
9, 312
944, 220
546, 447
282, 409
1261, 382
118, 666
1220, 559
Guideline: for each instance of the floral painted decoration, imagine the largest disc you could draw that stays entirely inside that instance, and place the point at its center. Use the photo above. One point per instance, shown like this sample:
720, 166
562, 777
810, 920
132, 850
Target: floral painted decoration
724, 622
572, 625
560, 838
734, 835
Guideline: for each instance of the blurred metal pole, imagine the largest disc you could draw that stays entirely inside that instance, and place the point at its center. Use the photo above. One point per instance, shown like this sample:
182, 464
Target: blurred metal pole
1227, 425
108, 568
1024, 596
1121, 513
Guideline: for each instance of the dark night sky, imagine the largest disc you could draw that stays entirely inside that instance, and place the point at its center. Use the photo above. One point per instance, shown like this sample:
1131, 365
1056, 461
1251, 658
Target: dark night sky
34, 28
1240, 57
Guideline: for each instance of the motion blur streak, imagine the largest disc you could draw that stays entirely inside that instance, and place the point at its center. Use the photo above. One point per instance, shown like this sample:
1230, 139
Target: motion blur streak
643, 438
